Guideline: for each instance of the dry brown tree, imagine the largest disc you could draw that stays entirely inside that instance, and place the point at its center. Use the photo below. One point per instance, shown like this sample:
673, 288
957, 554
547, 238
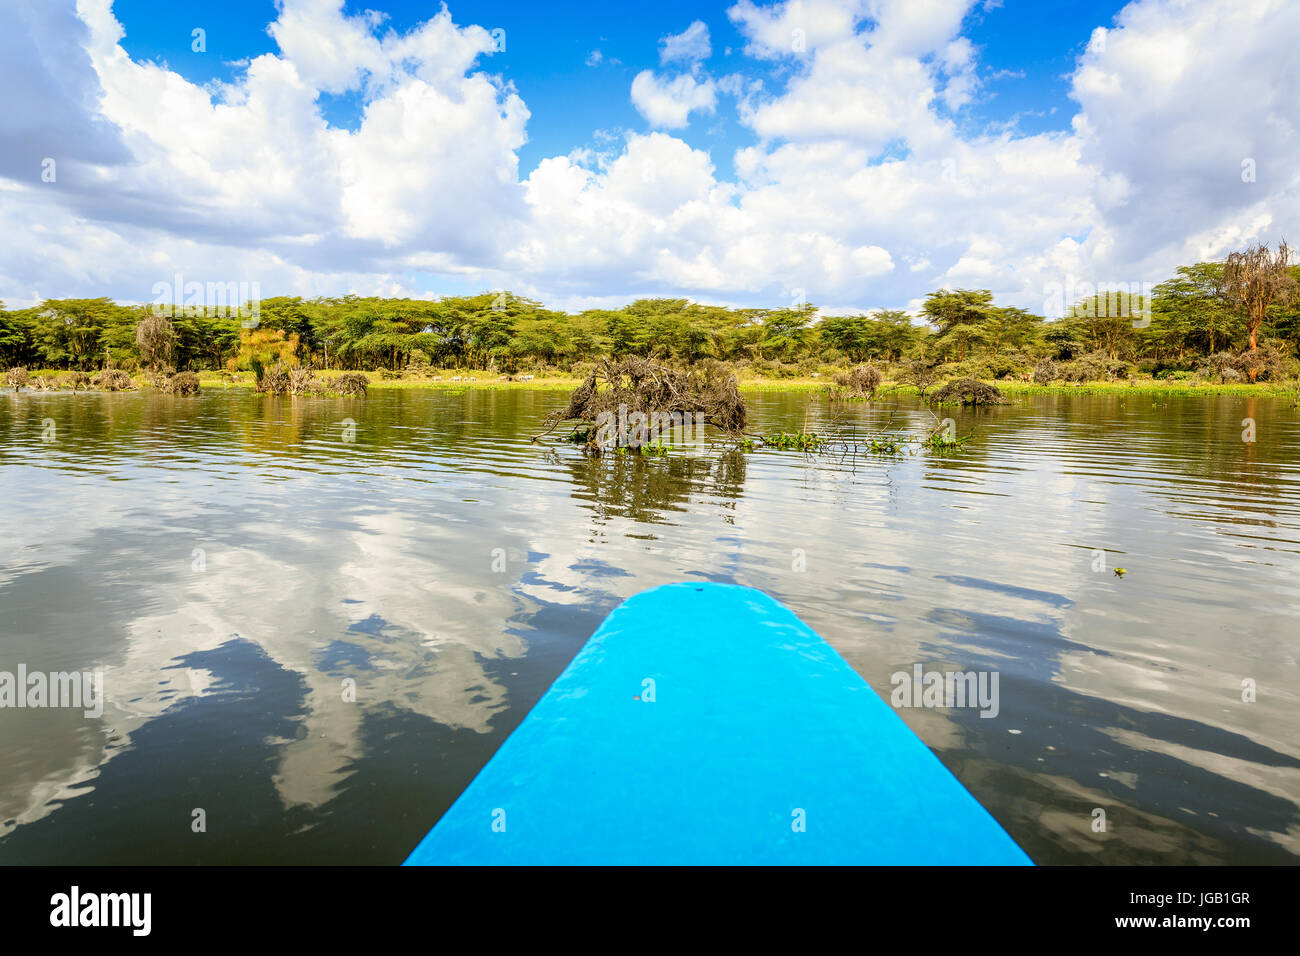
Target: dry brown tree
351, 384
182, 383
1256, 278
969, 391
859, 382
112, 380
707, 391
302, 381
155, 338
275, 380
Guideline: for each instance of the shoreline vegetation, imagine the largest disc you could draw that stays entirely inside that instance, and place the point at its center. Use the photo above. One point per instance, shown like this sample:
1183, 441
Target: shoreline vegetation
55, 380
1214, 328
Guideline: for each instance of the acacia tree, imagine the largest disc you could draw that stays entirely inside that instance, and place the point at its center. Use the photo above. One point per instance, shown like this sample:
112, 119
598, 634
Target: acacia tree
786, 332
850, 334
1106, 321
13, 336
959, 316
1256, 278
71, 332
1191, 310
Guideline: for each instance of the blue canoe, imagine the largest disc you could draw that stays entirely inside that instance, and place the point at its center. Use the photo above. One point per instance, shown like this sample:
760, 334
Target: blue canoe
707, 724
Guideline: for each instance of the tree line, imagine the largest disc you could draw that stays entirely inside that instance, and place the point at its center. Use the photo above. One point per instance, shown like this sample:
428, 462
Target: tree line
1210, 312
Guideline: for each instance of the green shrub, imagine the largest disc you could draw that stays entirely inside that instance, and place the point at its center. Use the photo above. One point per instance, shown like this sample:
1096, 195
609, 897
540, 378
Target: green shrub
971, 368
1094, 367
1013, 364
1046, 371
124, 359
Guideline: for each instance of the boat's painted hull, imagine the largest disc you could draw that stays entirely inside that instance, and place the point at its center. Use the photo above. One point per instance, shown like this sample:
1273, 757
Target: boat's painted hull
760, 745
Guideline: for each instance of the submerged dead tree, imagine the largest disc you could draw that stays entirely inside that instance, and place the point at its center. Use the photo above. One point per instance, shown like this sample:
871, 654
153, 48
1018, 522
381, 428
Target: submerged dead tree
969, 391
632, 401
860, 382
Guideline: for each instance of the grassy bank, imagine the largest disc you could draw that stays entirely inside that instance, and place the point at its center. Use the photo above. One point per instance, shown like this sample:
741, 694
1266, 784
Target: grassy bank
452, 379
447, 379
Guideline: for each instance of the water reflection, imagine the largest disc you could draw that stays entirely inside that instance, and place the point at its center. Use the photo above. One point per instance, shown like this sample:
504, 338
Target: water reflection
243, 567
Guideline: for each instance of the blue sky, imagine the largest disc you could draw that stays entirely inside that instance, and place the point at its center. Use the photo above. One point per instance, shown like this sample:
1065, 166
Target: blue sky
1027, 48
1024, 147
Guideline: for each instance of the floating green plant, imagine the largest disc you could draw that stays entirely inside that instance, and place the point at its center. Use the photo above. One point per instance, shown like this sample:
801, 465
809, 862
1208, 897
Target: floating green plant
794, 441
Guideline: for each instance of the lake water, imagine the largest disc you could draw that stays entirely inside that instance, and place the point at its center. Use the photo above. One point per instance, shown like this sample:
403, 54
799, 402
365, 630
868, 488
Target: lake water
230, 560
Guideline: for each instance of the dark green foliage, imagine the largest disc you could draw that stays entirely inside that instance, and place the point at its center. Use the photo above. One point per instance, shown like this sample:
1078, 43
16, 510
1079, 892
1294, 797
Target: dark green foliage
796, 441
941, 442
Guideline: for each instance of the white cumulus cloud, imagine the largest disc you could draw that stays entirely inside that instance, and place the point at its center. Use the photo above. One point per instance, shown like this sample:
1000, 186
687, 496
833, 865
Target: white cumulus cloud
863, 182
668, 104
691, 45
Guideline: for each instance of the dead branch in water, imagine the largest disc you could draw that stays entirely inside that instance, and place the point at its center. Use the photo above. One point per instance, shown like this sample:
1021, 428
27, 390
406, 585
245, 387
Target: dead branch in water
969, 391
619, 388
